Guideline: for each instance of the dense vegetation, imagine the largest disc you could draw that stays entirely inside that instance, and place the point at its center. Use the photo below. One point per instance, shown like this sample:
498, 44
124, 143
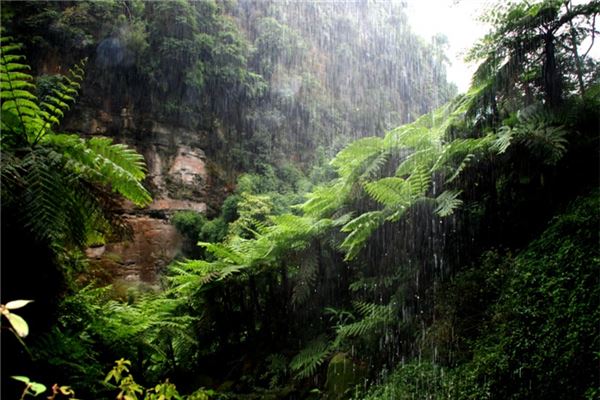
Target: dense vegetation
455, 256
254, 82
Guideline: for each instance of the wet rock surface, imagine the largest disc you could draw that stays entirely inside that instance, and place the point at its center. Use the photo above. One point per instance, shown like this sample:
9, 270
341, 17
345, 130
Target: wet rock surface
178, 178
152, 246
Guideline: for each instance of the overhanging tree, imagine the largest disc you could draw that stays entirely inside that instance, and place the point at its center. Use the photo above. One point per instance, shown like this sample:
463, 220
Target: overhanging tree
533, 48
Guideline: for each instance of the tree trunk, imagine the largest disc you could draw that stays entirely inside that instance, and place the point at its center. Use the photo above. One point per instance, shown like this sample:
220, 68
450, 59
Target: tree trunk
552, 82
573, 34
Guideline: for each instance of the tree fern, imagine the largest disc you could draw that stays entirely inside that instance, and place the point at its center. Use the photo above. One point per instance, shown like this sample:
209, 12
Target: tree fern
540, 131
51, 177
223, 252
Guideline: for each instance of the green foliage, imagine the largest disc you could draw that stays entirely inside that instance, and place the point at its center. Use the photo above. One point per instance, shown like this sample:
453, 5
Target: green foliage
130, 390
522, 327
374, 317
537, 129
309, 359
524, 37
420, 380
147, 327
31, 388
277, 369
544, 334
120, 379
189, 224
54, 180
447, 202
371, 238
420, 151
18, 324
306, 277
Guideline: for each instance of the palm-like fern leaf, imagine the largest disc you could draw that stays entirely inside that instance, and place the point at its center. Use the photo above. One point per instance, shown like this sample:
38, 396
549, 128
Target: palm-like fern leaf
18, 103
447, 202
424, 157
326, 200
539, 130
101, 161
53, 178
374, 317
55, 104
352, 157
308, 360
305, 278
360, 229
389, 191
223, 252
504, 139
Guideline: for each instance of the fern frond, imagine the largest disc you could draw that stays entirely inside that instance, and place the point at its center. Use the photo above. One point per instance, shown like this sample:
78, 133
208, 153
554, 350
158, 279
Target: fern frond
276, 369
373, 165
374, 317
120, 155
373, 284
360, 229
388, 191
417, 135
229, 270
541, 132
101, 161
43, 206
352, 157
57, 207
305, 278
308, 360
223, 252
503, 139
408, 193
461, 149
54, 105
325, 200
425, 157
447, 202
15, 97
461, 167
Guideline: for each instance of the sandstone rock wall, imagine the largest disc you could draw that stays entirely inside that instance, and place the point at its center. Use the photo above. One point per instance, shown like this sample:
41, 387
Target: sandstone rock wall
178, 178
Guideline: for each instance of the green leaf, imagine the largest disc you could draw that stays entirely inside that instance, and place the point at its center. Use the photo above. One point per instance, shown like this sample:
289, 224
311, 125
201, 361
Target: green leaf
18, 324
37, 388
13, 305
447, 202
21, 379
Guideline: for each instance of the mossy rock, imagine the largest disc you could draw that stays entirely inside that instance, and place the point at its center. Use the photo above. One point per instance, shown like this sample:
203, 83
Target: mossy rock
342, 375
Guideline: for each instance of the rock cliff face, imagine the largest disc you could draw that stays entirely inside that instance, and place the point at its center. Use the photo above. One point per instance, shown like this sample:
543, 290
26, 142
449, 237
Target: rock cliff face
179, 178
153, 245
